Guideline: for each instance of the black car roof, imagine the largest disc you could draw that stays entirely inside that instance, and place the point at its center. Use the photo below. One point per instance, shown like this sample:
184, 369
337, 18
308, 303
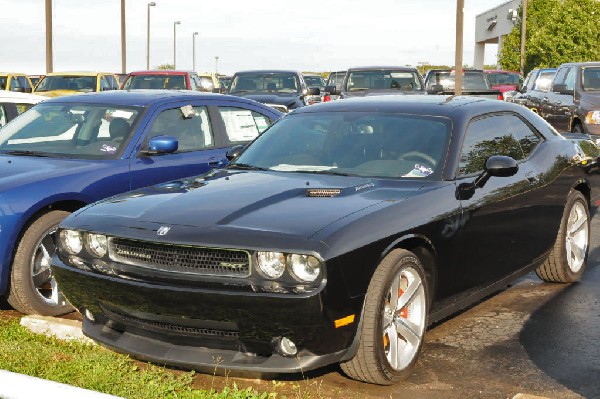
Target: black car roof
268, 71
414, 104
377, 68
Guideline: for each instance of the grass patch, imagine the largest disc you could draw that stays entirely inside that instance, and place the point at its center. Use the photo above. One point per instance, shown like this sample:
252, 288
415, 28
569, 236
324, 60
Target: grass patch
93, 367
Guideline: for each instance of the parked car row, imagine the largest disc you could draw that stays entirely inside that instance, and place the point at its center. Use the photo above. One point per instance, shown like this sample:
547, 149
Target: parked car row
186, 227
567, 97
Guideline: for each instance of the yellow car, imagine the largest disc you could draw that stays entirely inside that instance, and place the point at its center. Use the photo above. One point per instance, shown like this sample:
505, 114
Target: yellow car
65, 83
15, 82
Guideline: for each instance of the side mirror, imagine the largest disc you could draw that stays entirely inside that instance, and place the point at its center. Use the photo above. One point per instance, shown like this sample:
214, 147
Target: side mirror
235, 152
216, 90
520, 88
435, 89
561, 89
314, 91
162, 145
496, 165
332, 90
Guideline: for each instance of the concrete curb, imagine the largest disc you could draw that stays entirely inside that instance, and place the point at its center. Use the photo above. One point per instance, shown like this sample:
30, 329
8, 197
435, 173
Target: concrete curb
527, 396
19, 386
65, 329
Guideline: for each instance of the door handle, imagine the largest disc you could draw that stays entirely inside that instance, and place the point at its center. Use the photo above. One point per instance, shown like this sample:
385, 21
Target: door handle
215, 162
532, 179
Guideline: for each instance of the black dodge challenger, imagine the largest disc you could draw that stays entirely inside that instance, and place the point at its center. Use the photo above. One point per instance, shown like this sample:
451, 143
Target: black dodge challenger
337, 236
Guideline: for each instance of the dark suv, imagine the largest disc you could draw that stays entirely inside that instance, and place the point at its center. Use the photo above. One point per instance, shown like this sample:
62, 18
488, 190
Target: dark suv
371, 81
573, 101
282, 90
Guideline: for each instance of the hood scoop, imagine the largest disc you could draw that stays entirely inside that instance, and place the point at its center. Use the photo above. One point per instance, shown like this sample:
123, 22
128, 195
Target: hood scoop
323, 192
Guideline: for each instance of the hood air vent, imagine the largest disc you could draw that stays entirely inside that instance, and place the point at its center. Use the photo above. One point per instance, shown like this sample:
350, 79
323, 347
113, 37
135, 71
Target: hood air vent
323, 192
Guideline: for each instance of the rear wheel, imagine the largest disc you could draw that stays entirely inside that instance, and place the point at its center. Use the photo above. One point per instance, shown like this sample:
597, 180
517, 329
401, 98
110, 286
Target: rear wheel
33, 289
566, 261
394, 321
577, 128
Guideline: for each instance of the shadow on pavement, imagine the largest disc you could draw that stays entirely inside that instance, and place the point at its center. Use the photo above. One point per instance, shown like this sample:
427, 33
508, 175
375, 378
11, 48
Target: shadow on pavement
562, 336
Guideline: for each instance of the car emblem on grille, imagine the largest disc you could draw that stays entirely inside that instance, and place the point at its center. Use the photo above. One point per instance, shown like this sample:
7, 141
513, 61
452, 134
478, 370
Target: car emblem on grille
162, 230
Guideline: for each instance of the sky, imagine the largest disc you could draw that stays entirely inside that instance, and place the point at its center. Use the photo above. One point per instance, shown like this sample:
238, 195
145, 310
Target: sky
307, 35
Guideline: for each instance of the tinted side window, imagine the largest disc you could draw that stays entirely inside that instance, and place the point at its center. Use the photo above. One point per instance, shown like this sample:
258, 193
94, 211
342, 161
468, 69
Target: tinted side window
243, 124
487, 136
190, 125
570, 79
14, 83
2, 116
104, 85
24, 83
522, 133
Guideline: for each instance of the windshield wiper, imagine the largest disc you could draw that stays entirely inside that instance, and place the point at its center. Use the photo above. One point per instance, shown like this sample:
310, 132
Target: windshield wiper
28, 153
244, 166
325, 172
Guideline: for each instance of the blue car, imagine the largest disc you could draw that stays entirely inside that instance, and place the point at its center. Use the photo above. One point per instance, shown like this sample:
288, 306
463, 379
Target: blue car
71, 151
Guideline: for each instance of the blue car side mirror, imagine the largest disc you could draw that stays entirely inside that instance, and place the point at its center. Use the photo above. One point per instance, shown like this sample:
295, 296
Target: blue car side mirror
162, 145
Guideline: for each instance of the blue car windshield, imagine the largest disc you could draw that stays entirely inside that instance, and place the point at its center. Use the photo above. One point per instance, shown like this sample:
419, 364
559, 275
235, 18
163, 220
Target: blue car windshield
83, 131
369, 144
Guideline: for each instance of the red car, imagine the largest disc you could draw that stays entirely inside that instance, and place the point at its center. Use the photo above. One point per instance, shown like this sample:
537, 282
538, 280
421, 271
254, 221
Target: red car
163, 79
503, 80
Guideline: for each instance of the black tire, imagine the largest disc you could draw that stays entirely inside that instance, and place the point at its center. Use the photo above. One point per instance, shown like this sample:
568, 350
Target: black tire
577, 128
371, 364
41, 297
564, 265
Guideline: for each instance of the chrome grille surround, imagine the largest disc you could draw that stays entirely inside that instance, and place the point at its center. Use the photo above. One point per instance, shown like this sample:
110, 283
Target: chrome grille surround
180, 259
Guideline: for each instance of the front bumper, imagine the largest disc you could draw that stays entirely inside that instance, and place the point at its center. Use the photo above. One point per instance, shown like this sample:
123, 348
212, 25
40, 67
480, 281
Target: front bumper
206, 328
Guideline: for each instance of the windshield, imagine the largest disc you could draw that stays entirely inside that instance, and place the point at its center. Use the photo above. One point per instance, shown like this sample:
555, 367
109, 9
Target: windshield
265, 83
155, 82
383, 80
591, 79
502, 78
76, 83
336, 79
70, 130
472, 80
369, 144
314, 81
544, 80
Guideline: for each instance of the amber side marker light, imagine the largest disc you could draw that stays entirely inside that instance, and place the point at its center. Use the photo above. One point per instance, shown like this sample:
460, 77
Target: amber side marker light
344, 321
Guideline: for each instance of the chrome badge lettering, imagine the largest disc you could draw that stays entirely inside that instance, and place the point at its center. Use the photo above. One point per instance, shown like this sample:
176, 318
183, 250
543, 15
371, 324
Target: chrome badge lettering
162, 230
133, 254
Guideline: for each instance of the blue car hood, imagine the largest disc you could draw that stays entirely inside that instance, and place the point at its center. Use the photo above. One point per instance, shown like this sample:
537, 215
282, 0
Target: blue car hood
258, 201
16, 171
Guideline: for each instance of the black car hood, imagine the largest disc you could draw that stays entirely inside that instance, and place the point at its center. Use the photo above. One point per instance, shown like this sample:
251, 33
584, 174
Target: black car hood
282, 99
275, 202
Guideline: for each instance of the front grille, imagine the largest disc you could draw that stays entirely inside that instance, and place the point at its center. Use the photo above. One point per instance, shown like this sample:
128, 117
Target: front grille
164, 327
179, 258
323, 192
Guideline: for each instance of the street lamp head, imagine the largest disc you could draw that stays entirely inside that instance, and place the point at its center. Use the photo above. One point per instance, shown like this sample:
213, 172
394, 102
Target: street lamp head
177, 22
195, 33
151, 4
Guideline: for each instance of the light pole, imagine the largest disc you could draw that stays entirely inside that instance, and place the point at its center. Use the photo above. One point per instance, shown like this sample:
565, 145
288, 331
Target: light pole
151, 4
175, 43
123, 40
49, 54
523, 34
216, 65
194, 51
458, 57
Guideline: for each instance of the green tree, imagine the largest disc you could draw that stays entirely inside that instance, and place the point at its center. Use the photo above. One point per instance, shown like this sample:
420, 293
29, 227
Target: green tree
558, 31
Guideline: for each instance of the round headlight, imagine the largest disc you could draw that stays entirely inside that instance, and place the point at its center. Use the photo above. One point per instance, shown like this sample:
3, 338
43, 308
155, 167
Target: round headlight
97, 244
305, 268
271, 264
71, 241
